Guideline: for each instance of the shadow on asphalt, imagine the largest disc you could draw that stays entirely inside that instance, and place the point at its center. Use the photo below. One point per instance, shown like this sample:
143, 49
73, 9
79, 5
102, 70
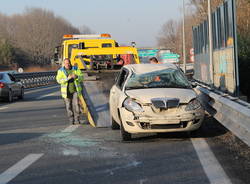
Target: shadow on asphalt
210, 128
57, 97
12, 138
32, 96
170, 136
33, 110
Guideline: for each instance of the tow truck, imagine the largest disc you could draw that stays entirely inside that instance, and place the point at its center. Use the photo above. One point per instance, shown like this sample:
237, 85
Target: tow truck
95, 51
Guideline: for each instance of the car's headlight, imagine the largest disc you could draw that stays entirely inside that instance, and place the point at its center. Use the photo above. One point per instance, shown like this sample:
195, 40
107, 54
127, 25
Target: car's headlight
132, 106
192, 105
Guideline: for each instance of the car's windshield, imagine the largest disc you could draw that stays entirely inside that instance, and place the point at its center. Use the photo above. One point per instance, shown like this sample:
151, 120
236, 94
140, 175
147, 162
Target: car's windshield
167, 78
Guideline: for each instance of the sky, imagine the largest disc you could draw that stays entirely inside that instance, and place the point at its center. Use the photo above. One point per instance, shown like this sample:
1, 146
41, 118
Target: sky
126, 20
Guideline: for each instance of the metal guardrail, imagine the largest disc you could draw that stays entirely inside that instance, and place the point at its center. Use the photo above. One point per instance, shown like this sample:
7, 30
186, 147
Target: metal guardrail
35, 79
231, 112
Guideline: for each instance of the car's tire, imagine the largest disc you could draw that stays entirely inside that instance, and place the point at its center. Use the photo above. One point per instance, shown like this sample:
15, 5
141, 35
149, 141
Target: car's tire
114, 124
10, 96
21, 96
125, 135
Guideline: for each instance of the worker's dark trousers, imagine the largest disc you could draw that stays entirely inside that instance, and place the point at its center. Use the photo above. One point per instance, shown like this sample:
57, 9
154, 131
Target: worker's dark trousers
72, 107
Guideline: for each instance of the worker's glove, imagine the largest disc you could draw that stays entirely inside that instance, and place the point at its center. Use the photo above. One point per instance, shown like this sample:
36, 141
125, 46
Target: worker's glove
74, 76
70, 78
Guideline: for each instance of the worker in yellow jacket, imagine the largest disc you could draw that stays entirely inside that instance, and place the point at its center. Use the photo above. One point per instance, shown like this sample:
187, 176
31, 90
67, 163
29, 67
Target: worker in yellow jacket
70, 79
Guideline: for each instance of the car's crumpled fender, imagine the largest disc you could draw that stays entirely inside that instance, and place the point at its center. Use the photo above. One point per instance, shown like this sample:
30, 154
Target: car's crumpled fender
121, 99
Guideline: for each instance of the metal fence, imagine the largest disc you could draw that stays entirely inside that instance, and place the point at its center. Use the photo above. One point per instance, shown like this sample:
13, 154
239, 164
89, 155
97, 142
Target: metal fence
224, 75
35, 79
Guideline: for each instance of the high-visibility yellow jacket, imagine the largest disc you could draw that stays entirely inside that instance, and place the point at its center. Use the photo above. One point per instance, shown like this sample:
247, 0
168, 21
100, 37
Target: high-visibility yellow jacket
62, 78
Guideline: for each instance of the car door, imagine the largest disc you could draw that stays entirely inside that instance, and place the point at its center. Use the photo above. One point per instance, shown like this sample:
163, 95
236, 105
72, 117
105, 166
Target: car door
14, 85
116, 92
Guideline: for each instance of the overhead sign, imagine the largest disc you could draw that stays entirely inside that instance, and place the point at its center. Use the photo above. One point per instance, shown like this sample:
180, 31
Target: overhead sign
163, 55
169, 58
148, 52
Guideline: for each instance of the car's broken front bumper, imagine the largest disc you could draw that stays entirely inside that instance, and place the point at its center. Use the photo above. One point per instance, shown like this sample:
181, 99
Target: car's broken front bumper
142, 123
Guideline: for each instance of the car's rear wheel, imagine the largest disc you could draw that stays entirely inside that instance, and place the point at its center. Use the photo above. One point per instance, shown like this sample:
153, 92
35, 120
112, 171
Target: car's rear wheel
10, 96
114, 124
125, 135
22, 94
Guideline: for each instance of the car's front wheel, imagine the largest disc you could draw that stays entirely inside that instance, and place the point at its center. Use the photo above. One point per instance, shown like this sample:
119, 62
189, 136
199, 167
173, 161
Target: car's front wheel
125, 135
114, 124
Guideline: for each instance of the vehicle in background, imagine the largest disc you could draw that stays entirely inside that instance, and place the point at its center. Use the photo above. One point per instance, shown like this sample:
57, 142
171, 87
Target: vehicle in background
10, 87
88, 58
85, 42
149, 98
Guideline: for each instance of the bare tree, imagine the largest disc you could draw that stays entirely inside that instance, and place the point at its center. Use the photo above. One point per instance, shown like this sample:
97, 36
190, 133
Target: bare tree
201, 8
169, 36
39, 31
35, 33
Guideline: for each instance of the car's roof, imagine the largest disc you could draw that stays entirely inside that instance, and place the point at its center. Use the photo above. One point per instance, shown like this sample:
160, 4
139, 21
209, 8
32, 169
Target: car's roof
145, 68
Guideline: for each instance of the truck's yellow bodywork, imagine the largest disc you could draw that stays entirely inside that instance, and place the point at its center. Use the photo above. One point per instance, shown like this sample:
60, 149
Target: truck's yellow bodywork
68, 45
83, 57
89, 51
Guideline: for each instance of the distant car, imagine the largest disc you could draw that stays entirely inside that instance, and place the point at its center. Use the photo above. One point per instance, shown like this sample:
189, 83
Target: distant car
10, 87
153, 98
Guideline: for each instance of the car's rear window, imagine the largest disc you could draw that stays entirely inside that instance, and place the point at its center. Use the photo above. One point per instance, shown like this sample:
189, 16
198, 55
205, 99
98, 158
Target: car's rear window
167, 78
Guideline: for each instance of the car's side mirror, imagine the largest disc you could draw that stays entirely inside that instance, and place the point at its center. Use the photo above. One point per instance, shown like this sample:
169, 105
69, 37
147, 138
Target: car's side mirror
194, 85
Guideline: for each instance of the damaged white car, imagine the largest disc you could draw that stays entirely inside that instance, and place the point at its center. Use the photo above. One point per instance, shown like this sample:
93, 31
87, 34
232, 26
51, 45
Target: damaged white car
150, 98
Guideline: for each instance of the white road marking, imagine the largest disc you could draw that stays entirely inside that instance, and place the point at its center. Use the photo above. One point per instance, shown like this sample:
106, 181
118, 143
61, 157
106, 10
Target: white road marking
210, 164
70, 128
2, 108
50, 94
20, 166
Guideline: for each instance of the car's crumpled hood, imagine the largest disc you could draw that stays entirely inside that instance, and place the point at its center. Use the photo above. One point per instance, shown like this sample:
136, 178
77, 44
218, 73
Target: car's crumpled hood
145, 95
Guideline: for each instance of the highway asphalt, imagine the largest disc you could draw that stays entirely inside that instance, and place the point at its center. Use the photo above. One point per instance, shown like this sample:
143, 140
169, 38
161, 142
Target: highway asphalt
38, 145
